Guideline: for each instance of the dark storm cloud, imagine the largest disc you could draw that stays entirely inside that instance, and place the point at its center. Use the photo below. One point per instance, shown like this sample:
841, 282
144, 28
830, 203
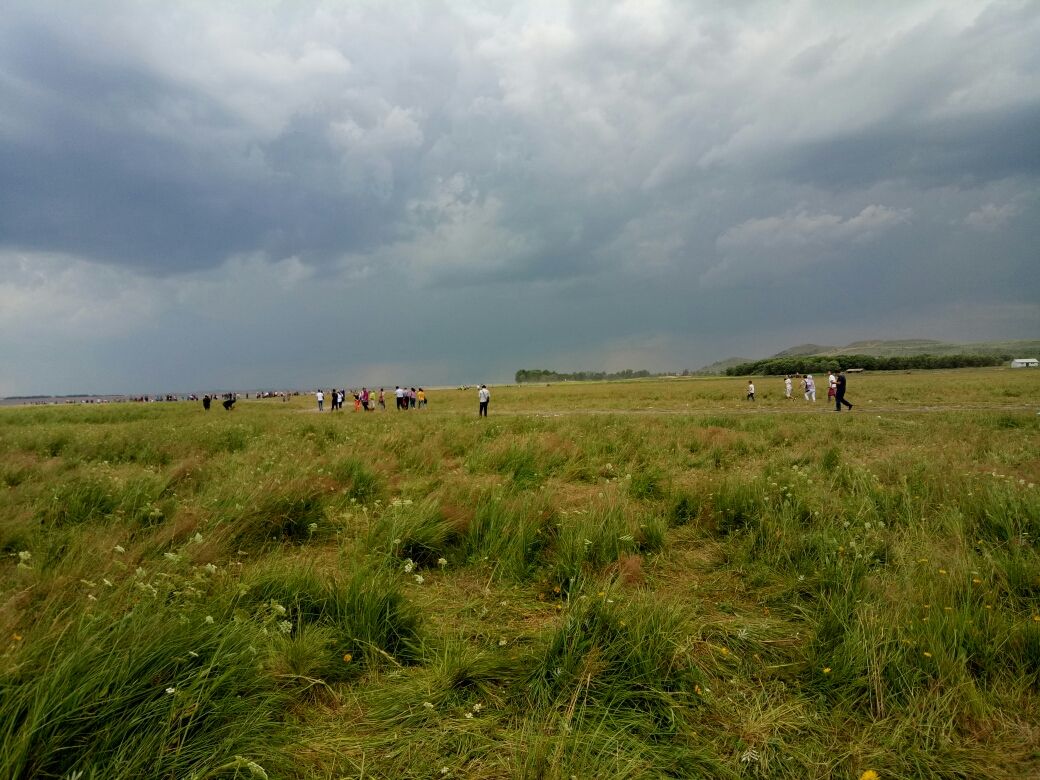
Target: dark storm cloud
637, 181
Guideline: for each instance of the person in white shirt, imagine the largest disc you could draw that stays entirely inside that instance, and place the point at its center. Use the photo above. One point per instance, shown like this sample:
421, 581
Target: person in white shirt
484, 396
750, 390
399, 392
832, 386
810, 388
321, 400
787, 386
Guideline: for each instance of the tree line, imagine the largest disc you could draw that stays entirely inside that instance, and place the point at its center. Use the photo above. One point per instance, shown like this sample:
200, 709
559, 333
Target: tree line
547, 375
808, 364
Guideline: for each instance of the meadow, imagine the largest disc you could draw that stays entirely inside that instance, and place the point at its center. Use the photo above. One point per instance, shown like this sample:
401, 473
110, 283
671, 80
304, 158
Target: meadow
635, 579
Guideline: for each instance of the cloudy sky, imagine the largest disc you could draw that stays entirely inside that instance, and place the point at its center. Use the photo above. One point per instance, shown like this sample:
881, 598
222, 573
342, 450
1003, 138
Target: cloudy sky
239, 194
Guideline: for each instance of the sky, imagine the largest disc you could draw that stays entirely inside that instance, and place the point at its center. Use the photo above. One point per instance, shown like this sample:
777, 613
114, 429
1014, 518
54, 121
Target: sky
203, 195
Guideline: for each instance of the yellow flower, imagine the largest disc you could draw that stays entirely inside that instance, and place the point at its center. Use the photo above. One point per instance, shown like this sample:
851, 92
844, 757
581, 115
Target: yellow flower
347, 658
697, 689
927, 654
870, 774
942, 571
826, 670
1036, 619
18, 637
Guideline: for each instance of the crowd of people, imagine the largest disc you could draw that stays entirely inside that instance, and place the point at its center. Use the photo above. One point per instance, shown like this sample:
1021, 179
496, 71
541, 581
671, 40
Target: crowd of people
836, 384
369, 401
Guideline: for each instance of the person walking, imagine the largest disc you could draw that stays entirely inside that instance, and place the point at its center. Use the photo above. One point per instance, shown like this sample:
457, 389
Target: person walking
839, 393
382, 400
206, 401
420, 397
832, 385
787, 387
810, 388
321, 400
399, 393
750, 390
484, 396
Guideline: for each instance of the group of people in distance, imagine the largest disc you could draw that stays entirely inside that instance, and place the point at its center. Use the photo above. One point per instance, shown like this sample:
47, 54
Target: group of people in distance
835, 388
368, 400
836, 384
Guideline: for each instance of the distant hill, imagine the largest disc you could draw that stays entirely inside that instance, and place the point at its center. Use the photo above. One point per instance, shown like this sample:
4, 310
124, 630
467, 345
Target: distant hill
906, 347
720, 366
804, 349
894, 348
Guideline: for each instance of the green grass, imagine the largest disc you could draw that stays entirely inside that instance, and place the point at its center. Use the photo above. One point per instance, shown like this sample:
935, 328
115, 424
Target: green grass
580, 585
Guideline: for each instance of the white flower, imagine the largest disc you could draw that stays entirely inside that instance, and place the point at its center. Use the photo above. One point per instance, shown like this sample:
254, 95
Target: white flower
209, 619
197, 538
442, 562
171, 691
428, 705
502, 642
285, 626
408, 566
24, 556
256, 770
478, 707
419, 579
277, 608
171, 556
312, 527
469, 715
444, 770
210, 568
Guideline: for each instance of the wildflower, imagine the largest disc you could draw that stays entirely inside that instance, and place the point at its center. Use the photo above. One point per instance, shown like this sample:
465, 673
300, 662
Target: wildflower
556, 589
197, 538
17, 637
870, 774
502, 642
312, 527
1036, 618
119, 548
469, 715
285, 626
209, 619
976, 580
347, 658
428, 705
408, 566
442, 562
210, 568
926, 654
171, 691
942, 571
419, 579
478, 707
826, 670
697, 689
444, 770
24, 556
171, 556
278, 609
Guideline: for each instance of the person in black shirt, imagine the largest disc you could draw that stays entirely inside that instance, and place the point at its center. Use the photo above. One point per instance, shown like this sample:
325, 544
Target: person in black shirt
839, 395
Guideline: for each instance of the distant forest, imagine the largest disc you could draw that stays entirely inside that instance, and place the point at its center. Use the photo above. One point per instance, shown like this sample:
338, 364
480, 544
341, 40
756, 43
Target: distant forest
819, 363
545, 375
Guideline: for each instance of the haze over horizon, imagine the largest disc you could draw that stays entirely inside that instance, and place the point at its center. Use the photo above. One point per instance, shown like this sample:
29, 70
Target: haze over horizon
222, 195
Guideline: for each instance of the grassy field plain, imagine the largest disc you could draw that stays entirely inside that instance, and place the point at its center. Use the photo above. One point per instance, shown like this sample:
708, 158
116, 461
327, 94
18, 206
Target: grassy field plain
641, 579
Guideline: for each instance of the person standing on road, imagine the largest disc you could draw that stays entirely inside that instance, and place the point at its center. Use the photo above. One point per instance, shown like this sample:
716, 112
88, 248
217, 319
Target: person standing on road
839, 393
484, 396
321, 400
750, 390
787, 387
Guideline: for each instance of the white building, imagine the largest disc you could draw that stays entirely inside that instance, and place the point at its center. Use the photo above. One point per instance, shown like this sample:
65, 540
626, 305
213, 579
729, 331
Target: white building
1025, 363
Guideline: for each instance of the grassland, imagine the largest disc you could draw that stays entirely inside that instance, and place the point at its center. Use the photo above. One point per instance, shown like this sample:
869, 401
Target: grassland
642, 579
